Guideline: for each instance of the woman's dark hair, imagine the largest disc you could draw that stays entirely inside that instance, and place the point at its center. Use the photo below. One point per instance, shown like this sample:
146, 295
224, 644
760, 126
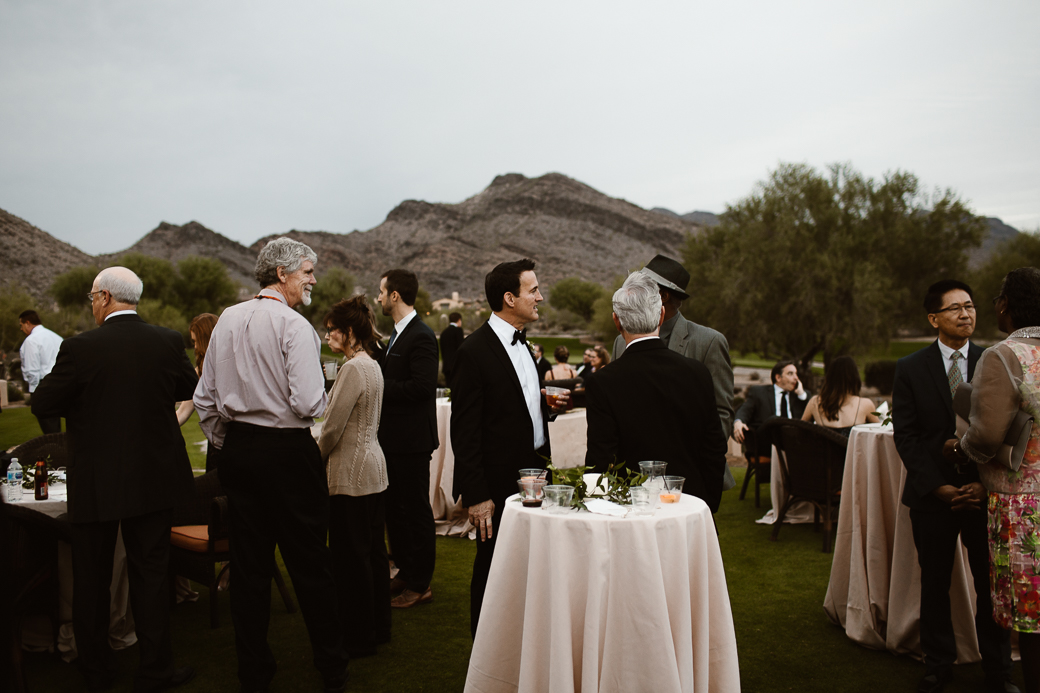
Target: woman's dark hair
202, 327
604, 356
354, 315
505, 278
841, 380
562, 354
1021, 288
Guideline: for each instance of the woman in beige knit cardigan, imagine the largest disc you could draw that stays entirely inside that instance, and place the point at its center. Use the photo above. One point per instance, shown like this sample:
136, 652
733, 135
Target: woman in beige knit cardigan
356, 470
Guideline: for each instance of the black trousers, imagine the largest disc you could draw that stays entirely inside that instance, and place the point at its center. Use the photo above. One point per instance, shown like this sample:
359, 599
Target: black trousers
482, 566
361, 568
935, 536
51, 425
147, 542
409, 518
278, 494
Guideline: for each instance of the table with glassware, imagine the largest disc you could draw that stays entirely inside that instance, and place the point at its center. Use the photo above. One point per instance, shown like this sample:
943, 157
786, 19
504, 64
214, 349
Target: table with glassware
36, 632
874, 591
579, 601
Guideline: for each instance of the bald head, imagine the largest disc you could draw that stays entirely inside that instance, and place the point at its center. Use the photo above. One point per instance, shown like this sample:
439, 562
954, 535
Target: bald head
115, 288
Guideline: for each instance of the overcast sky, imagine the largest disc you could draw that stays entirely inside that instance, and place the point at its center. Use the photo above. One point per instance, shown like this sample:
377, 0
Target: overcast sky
259, 117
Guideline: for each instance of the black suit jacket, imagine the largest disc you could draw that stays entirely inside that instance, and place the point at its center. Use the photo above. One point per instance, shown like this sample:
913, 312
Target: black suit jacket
923, 420
451, 338
543, 367
117, 387
491, 431
761, 404
655, 404
409, 420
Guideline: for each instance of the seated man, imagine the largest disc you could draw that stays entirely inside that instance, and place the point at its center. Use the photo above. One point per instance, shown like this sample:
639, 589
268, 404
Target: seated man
653, 403
765, 401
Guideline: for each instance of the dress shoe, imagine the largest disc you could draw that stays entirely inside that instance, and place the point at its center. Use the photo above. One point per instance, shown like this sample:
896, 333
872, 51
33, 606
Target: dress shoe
933, 683
179, 677
397, 585
408, 599
1000, 684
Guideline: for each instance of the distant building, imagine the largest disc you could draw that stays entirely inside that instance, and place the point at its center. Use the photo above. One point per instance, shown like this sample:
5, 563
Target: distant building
457, 303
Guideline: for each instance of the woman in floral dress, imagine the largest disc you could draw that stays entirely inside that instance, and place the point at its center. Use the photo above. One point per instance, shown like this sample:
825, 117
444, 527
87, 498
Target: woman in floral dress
1007, 379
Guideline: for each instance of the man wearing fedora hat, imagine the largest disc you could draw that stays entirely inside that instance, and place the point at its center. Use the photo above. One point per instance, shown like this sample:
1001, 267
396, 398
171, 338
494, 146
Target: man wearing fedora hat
690, 339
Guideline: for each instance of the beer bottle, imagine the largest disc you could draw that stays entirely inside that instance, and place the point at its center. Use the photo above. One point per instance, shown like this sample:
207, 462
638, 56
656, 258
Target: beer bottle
40, 480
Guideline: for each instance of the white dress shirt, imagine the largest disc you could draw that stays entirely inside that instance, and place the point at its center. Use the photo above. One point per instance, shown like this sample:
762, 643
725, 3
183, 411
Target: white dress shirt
779, 392
38, 352
120, 312
400, 325
947, 361
523, 364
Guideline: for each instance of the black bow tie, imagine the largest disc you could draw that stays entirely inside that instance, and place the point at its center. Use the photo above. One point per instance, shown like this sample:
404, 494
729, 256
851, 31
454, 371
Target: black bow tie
519, 336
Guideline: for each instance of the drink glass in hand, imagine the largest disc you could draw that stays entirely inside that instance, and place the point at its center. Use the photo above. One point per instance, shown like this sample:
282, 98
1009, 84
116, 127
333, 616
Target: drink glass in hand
554, 393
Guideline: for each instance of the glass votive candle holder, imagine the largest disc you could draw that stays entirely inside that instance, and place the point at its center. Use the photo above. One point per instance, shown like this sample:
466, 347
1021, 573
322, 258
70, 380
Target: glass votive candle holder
532, 491
642, 500
672, 492
532, 473
558, 498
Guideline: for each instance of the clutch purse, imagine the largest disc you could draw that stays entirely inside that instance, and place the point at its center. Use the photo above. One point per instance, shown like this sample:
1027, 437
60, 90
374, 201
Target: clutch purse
1014, 446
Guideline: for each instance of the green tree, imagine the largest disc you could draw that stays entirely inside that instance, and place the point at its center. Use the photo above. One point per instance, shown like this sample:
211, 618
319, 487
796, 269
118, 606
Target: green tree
423, 302
602, 313
1021, 251
13, 300
576, 295
333, 285
830, 262
157, 275
202, 285
155, 312
70, 288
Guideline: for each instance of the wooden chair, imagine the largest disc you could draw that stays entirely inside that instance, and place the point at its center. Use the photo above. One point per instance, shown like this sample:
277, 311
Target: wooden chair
32, 561
812, 463
199, 540
758, 466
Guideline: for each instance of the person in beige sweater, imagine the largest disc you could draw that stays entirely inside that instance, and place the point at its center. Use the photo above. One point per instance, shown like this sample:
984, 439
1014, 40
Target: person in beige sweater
357, 477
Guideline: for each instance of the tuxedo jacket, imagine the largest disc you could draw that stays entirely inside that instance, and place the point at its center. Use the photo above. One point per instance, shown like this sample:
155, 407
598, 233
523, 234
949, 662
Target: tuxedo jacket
409, 420
117, 387
492, 435
923, 420
654, 404
451, 338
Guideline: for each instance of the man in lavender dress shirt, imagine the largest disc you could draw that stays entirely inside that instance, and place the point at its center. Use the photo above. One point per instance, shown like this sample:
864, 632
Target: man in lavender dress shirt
261, 388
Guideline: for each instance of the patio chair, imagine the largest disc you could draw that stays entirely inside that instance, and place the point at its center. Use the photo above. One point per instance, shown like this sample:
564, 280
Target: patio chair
199, 540
812, 462
758, 466
53, 444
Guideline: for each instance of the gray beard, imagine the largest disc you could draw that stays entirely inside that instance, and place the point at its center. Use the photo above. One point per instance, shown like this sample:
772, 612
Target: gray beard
306, 298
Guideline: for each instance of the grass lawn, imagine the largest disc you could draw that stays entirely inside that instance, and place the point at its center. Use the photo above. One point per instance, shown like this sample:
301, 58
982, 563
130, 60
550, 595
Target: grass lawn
892, 352
784, 638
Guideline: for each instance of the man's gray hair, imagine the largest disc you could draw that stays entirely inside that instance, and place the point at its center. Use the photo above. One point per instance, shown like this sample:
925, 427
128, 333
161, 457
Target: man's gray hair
122, 284
638, 304
281, 252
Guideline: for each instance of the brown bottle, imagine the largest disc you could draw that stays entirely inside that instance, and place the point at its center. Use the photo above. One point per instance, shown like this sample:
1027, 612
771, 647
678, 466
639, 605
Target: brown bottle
40, 480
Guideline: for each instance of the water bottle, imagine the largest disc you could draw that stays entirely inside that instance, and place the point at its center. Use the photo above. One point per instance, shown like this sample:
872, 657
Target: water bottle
14, 481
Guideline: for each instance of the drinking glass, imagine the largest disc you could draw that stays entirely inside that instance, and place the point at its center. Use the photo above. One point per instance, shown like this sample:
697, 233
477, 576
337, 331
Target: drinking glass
654, 471
672, 492
330, 369
533, 473
551, 393
558, 498
642, 500
532, 491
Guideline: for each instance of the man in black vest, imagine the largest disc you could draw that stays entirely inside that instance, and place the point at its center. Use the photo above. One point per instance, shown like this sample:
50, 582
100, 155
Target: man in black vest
117, 387
945, 501
408, 436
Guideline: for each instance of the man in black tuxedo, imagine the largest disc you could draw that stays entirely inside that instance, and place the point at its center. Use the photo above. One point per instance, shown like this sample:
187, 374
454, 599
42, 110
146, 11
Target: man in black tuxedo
764, 401
540, 362
499, 419
408, 436
653, 403
451, 338
117, 387
945, 502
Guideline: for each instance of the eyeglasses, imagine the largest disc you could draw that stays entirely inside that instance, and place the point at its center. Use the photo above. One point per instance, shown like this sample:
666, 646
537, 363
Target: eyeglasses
956, 309
92, 294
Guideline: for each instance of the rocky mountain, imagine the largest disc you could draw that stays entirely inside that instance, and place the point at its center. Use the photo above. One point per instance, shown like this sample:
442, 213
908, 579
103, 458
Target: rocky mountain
702, 218
567, 227
173, 243
32, 257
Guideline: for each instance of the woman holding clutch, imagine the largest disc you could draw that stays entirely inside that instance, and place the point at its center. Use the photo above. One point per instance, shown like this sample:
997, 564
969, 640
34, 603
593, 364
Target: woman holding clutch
356, 471
1007, 380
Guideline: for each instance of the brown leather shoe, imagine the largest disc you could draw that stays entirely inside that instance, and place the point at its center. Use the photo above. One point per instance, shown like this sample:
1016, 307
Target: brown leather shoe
397, 586
408, 599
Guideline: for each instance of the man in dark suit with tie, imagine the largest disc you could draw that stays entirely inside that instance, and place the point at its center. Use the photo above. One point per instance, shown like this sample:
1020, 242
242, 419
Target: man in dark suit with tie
945, 501
653, 403
117, 388
408, 436
764, 401
451, 338
499, 419
540, 362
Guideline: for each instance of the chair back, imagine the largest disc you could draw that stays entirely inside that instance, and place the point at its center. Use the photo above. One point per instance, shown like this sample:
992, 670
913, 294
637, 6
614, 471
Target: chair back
196, 508
569, 383
53, 444
812, 458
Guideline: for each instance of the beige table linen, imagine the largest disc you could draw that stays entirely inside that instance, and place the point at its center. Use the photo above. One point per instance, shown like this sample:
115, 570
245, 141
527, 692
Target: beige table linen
874, 591
567, 435
36, 633
799, 513
583, 602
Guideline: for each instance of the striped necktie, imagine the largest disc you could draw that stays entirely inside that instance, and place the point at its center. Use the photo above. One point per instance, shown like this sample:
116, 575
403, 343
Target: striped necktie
954, 375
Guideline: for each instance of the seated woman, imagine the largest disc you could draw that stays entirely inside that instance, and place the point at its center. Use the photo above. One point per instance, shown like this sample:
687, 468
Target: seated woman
839, 406
562, 370
600, 358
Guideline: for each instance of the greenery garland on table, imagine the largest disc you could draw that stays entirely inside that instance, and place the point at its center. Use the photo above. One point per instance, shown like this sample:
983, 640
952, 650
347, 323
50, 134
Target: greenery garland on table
615, 485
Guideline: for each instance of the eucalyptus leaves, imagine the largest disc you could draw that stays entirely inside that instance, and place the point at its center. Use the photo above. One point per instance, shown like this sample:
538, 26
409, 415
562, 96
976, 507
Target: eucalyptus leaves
615, 485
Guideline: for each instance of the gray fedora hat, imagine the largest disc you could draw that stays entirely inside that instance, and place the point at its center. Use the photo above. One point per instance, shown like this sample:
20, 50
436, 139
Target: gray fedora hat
669, 274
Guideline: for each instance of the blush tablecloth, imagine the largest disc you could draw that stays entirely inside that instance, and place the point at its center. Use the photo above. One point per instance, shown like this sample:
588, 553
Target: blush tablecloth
799, 513
583, 602
567, 435
36, 633
874, 591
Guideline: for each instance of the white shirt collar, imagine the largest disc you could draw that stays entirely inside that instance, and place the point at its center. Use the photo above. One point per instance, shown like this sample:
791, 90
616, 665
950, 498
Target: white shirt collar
403, 322
948, 351
502, 328
120, 312
641, 339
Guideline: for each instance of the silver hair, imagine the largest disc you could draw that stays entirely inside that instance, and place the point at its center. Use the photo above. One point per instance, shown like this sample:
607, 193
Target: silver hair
638, 304
124, 285
281, 252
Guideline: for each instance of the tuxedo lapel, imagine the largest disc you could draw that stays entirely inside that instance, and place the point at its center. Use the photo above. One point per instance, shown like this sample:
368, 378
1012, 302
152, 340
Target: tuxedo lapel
500, 351
937, 370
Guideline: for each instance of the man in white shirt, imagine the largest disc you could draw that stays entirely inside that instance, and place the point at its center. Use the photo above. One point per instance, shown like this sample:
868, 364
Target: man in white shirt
38, 352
